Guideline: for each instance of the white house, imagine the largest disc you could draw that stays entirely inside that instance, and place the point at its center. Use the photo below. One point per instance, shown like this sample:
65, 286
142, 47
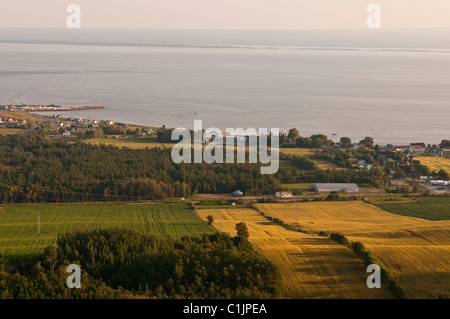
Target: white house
283, 194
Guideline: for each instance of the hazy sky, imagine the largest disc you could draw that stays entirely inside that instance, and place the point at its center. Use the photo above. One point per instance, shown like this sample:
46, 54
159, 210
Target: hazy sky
226, 14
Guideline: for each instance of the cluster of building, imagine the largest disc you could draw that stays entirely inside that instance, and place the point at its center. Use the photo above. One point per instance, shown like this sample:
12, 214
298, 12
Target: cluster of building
10, 122
67, 126
412, 149
317, 187
418, 149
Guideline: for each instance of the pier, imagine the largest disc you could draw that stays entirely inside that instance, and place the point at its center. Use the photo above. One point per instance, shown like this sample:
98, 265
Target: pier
47, 108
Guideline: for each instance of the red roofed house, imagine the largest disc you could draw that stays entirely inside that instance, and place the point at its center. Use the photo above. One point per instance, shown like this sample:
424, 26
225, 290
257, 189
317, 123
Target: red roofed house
416, 149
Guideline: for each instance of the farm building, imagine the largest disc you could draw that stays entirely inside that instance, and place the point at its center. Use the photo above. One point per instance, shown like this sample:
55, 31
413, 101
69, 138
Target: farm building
416, 149
238, 193
439, 183
283, 194
336, 187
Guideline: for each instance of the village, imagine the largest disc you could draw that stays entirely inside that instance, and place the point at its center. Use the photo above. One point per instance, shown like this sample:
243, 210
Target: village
361, 155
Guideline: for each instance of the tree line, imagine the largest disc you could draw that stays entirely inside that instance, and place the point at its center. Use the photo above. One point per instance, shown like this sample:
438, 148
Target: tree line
34, 169
120, 263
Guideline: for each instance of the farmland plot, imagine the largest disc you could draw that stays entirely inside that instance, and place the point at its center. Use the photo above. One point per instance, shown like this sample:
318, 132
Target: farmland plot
311, 266
18, 223
416, 251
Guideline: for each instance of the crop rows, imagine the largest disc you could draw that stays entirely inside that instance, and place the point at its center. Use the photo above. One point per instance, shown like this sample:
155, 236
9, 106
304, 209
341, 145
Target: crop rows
18, 223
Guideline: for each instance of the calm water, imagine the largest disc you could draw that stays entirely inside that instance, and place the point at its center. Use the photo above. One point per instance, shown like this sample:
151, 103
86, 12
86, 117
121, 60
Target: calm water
396, 96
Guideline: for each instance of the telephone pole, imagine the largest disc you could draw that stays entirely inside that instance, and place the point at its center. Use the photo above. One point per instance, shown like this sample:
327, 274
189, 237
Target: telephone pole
39, 223
295, 213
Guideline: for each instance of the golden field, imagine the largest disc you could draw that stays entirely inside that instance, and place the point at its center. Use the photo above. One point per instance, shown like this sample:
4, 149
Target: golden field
30, 117
311, 266
435, 163
414, 250
297, 151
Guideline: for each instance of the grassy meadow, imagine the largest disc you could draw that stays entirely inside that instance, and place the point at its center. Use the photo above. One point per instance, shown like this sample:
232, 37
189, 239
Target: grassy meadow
30, 117
297, 185
297, 151
10, 131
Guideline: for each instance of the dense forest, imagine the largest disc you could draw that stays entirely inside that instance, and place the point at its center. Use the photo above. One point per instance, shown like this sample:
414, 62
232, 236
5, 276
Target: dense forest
35, 169
120, 263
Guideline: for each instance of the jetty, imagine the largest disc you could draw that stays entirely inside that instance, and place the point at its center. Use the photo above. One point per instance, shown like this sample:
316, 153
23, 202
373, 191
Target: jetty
47, 108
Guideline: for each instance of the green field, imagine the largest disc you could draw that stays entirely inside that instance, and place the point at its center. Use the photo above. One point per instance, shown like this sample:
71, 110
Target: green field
426, 208
298, 151
297, 185
18, 223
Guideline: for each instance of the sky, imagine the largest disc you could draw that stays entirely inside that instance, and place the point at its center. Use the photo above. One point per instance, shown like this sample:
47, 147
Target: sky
226, 14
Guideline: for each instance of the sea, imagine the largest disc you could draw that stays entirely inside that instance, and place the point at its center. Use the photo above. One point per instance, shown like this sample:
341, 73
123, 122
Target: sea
392, 85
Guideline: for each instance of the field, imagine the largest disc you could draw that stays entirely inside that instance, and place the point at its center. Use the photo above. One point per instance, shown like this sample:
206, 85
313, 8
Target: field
287, 164
435, 163
11, 131
18, 223
24, 116
130, 142
426, 208
297, 186
414, 250
311, 266
324, 164
297, 151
